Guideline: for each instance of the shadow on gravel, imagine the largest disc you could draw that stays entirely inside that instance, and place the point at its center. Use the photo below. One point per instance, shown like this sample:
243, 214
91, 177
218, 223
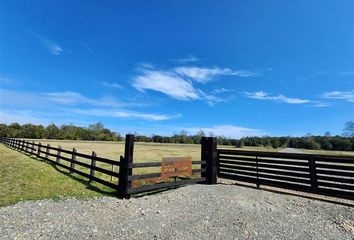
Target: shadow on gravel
297, 194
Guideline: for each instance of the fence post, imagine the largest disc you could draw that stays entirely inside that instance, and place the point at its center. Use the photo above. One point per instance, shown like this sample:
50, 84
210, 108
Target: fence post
258, 182
39, 150
203, 154
209, 154
93, 165
73, 159
32, 150
47, 151
125, 167
58, 155
313, 174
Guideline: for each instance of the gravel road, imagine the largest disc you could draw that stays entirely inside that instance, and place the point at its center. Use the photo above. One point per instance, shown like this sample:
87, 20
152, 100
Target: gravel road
193, 212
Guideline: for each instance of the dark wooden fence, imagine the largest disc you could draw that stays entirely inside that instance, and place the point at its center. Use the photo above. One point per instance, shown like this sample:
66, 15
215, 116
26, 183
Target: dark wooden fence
55, 155
320, 174
205, 173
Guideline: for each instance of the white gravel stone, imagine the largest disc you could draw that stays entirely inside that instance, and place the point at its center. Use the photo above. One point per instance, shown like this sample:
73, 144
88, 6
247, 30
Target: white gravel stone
193, 212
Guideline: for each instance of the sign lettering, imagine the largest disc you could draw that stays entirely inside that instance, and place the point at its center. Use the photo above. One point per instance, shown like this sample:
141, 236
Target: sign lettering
176, 166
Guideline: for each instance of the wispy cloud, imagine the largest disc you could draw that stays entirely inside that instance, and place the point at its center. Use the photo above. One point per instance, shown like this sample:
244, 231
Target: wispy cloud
87, 47
339, 95
205, 74
166, 82
114, 113
74, 105
111, 85
6, 80
228, 131
187, 59
52, 46
221, 90
321, 105
260, 95
179, 82
75, 98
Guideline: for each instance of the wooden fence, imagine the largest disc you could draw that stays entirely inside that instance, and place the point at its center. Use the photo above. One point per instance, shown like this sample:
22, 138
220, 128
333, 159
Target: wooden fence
55, 155
320, 174
68, 159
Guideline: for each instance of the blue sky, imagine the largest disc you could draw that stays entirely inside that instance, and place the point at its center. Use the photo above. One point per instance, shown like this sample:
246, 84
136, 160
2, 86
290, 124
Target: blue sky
234, 68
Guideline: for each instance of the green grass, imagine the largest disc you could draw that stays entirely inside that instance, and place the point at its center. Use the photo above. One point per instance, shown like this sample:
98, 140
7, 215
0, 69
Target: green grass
24, 177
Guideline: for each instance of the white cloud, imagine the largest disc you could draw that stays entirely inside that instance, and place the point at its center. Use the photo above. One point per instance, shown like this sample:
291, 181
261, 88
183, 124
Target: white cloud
187, 59
119, 113
205, 74
231, 131
6, 80
179, 82
61, 104
111, 85
260, 95
39, 117
74, 98
52, 46
340, 95
165, 82
221, 90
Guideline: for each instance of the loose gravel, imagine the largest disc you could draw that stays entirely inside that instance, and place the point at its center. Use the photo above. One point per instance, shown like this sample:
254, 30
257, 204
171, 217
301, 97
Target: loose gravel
193, 212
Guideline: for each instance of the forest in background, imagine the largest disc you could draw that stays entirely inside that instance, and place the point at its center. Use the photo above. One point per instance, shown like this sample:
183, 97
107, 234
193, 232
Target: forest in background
97, 132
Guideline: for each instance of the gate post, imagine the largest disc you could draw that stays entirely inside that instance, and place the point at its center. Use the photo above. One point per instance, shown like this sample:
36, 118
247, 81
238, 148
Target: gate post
125, 167
313, 175
209, 154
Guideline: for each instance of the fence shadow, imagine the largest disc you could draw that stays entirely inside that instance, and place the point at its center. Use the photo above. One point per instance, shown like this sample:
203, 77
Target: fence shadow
84, 182
310, 196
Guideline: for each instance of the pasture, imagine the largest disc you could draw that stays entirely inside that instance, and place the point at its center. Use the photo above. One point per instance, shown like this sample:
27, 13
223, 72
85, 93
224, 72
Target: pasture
27, 178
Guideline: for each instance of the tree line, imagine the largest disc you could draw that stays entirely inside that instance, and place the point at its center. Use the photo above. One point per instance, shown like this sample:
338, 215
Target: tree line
94, 132
97, 132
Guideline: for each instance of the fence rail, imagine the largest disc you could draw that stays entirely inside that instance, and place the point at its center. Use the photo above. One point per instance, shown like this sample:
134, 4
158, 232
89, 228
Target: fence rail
198, 175
321, 174
125, 176
44, 152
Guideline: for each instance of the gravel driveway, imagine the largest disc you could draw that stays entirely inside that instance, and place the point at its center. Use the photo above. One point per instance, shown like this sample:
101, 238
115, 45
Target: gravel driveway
193, 212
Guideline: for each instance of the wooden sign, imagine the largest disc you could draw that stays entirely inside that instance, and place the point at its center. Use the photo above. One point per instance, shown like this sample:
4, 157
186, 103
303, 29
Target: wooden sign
176, 166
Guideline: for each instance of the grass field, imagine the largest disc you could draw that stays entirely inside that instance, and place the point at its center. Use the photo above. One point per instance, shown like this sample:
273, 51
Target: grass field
25, 178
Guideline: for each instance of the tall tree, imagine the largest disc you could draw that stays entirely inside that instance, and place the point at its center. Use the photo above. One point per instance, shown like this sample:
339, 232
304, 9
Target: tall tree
348, 130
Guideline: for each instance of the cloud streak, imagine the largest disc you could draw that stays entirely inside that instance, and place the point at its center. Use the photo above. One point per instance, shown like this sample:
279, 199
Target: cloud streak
75, 104
180, 82
228, 131
260, 95
111, 85
187, 59
124, 114
52, 46
204, 74
339, 95
166, 82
